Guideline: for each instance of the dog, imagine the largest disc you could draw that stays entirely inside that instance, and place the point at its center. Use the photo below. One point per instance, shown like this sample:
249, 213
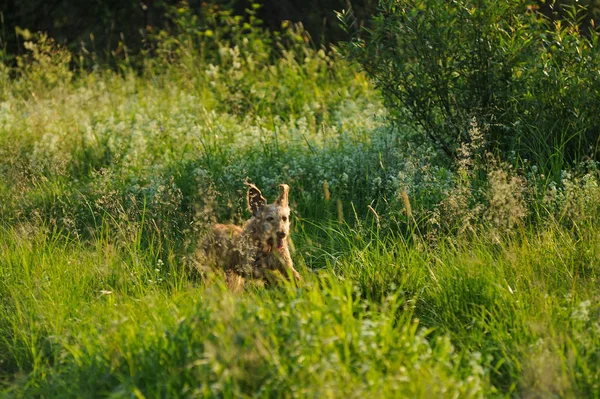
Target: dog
259, 249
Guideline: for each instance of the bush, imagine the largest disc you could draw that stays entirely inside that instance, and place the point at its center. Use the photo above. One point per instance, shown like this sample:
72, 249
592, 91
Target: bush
529, 82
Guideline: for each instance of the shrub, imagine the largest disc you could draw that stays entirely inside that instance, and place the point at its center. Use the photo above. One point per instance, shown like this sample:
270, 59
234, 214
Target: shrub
45, 66
532, 83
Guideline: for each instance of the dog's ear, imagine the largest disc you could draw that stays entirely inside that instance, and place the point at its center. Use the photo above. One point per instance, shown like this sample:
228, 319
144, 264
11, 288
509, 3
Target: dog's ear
256, 201
283, 197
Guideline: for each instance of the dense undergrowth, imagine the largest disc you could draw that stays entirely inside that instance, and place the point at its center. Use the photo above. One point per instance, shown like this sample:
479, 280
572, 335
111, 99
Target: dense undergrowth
422, 277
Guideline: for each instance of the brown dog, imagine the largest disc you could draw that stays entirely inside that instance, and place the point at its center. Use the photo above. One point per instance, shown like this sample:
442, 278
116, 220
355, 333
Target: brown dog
260, 248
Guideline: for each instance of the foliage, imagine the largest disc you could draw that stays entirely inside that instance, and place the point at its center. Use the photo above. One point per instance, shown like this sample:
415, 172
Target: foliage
103, 28
530, 83
420, 279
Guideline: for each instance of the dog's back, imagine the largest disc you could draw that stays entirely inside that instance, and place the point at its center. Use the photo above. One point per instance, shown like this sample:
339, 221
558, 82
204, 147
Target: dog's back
223, 245
221, 240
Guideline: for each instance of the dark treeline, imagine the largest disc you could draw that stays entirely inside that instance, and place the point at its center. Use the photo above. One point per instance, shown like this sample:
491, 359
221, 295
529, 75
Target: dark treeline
99, 25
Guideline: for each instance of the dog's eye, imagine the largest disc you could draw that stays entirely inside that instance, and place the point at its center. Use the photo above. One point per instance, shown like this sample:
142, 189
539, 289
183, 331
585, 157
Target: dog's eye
284, 218
270, 219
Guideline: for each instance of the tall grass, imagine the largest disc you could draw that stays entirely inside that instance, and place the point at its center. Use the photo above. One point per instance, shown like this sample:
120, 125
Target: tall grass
383, 316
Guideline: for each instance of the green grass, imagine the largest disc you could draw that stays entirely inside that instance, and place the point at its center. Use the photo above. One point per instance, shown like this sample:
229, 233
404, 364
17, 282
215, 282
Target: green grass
486, 287
103, 318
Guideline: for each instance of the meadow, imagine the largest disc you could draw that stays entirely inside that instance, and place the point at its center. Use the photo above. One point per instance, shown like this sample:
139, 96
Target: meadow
422, 276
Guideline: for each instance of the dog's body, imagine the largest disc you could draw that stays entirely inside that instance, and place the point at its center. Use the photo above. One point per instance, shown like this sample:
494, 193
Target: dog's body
260, 248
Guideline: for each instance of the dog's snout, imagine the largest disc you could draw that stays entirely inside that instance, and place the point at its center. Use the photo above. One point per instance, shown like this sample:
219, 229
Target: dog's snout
281, 234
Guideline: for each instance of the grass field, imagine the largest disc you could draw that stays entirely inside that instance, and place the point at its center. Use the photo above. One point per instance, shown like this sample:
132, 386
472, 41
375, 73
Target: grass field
421, 278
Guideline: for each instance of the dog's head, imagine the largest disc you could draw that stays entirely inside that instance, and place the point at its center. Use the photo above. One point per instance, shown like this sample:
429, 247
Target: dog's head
272, 220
